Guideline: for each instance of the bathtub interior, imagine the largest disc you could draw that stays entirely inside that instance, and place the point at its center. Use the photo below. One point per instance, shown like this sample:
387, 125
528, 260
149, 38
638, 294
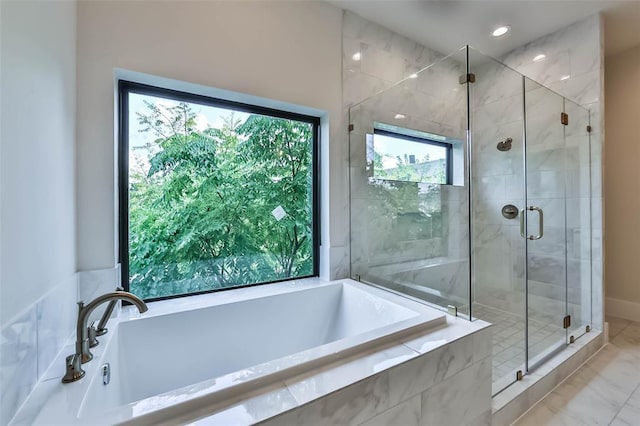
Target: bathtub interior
151, 356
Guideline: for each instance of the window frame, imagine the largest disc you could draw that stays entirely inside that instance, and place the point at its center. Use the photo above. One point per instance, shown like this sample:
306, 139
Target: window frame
125, 87
448, 146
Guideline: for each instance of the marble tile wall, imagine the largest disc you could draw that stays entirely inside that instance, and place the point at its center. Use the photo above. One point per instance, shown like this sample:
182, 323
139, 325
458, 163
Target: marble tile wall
386, 81
574, 68
93, 283
451, 385
30, 343
496, 114
560, 164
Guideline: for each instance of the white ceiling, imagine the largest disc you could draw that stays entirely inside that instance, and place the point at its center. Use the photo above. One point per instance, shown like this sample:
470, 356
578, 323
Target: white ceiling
447, 25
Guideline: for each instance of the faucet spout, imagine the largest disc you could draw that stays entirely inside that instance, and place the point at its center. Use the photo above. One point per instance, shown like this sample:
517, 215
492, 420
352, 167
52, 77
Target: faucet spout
83, 354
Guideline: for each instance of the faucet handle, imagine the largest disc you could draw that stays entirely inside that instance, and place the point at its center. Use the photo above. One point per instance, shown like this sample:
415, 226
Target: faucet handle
74, 369
92, 333
101, 329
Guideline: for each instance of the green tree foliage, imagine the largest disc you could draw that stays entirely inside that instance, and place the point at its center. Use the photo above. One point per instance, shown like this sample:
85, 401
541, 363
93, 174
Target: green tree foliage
201, 217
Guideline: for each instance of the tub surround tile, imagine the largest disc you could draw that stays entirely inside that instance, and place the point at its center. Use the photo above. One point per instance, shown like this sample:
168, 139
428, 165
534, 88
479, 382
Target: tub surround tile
94, 283
471, 391
339, 261
37, 398
400, 393
57, 368
351, 405
30, 343
56, 318
18, 363
424, 372
335, 376
407, 413
252, 409
449, 353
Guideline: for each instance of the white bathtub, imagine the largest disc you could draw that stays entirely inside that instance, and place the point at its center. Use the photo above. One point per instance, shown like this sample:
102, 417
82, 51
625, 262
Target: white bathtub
185, 354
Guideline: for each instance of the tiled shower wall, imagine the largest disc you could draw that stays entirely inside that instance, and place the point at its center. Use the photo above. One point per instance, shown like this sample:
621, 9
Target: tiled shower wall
432, 101
572, 68
574, 52
497, 180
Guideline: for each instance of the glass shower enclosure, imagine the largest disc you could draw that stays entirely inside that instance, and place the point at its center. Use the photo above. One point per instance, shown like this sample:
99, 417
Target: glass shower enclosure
470, 191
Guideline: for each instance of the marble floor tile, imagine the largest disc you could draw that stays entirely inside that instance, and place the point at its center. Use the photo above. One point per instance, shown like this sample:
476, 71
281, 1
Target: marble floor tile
605, 390
630, 412
542, 414
629, 339
585, 398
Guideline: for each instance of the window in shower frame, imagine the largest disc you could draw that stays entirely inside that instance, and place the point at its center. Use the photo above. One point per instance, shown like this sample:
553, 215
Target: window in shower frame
269, 125
446, 147
418, 225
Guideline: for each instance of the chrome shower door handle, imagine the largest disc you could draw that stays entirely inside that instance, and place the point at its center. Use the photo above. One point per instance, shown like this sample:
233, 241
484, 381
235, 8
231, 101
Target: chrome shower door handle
540, 223
522, 214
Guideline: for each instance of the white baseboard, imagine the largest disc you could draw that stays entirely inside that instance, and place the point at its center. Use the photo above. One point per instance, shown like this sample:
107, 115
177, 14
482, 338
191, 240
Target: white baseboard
622, 309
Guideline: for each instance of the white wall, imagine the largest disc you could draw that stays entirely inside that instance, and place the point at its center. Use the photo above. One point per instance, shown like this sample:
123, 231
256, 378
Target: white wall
37, 168
621, 179
37, 182
279, 50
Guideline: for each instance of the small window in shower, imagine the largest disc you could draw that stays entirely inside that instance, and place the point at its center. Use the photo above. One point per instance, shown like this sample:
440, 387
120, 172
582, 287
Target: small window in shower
410, 156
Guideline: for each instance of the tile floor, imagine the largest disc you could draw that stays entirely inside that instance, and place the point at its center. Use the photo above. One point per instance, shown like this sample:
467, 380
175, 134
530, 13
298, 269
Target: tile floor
604, 391
508, 340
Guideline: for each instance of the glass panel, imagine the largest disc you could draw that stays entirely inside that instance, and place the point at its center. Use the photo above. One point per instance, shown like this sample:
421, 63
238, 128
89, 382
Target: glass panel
578, 190
546, 179
218, 198
497, 181
409, 231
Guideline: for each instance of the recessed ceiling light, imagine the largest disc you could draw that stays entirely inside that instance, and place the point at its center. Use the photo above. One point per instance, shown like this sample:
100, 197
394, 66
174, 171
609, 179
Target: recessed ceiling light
500, 31
565, 77
539, 57
400, 116
356, 56
414, 75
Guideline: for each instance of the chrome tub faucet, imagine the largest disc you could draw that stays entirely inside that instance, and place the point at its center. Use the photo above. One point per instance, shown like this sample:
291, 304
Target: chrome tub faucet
83, 354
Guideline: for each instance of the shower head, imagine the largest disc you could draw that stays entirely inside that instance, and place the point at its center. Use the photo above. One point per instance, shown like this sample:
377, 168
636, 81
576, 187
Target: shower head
505, 145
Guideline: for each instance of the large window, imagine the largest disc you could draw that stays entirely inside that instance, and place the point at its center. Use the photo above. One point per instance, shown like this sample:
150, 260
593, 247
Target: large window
213, 194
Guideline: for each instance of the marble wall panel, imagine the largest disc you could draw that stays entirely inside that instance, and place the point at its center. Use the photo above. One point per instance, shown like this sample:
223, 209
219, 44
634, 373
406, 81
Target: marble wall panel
30, 342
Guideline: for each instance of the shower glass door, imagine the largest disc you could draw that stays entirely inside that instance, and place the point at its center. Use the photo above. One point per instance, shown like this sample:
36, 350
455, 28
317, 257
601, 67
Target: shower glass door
498, 196
469, 190
543, 222
578, 227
